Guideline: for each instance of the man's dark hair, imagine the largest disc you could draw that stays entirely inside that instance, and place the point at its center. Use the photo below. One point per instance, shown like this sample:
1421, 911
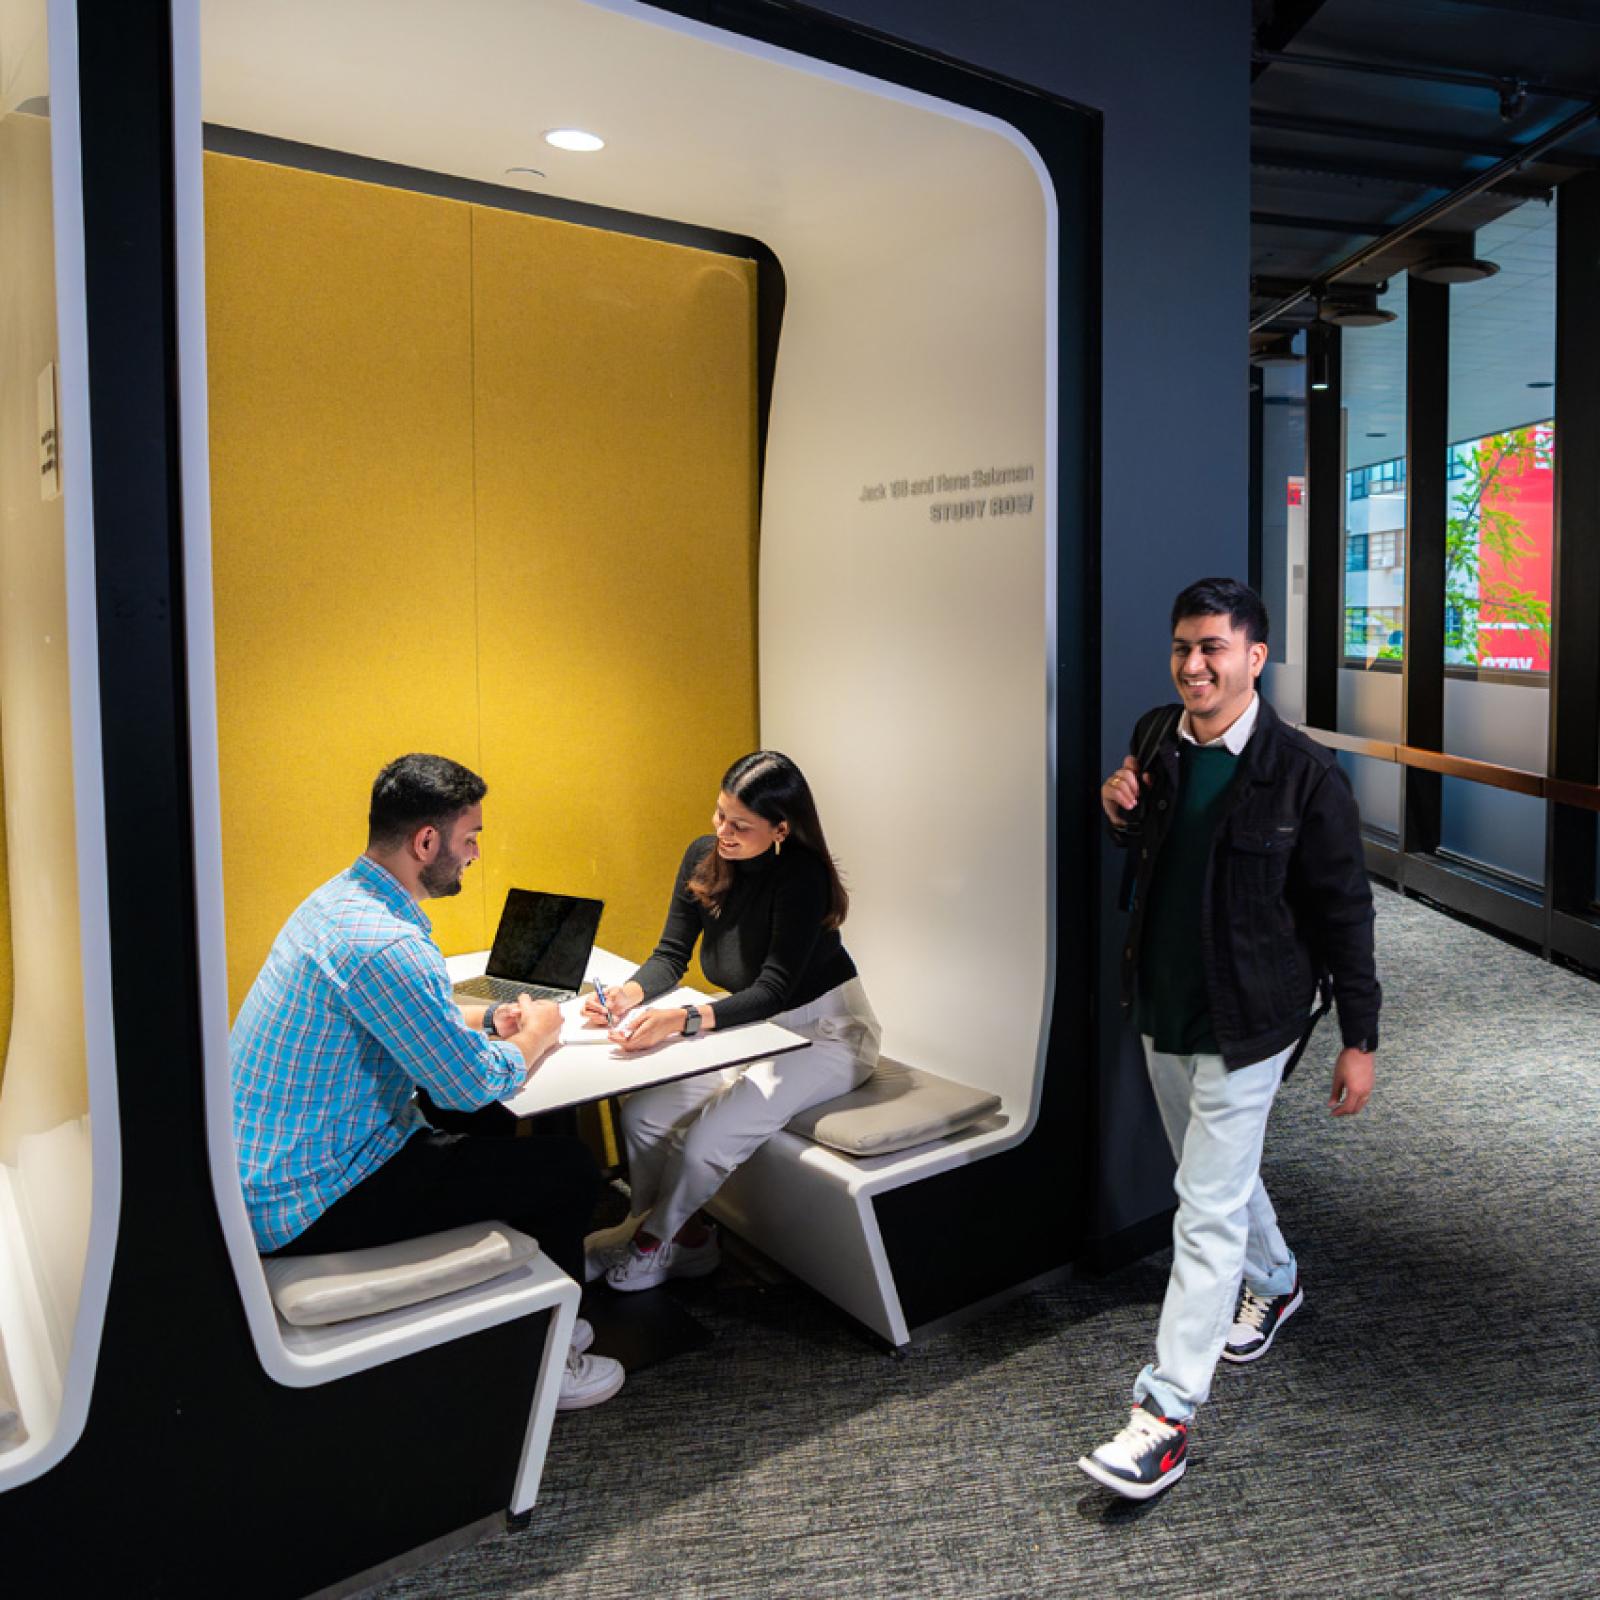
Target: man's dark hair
1224, 597
419, 791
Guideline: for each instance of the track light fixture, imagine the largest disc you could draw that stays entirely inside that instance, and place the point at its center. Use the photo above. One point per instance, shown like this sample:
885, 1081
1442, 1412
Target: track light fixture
1321, 376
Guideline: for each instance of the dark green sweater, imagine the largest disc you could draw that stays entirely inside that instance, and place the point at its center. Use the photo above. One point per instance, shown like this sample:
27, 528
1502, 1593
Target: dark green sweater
1173, 1007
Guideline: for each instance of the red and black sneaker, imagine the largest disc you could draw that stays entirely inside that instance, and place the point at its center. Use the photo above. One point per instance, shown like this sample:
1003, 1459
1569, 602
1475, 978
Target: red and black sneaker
1257, 1321
1145, 1458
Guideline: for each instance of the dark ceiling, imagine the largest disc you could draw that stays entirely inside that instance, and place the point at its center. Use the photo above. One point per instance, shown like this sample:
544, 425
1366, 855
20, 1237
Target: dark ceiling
1367, 113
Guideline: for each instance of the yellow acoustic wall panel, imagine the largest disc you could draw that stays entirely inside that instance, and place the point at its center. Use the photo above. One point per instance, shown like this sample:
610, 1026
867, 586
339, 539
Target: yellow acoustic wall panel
482, 484
339, 333
615, 390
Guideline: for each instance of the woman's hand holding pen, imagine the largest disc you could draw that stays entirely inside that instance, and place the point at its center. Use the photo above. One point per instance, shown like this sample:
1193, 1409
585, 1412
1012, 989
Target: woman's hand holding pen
619, 1001
1119, 794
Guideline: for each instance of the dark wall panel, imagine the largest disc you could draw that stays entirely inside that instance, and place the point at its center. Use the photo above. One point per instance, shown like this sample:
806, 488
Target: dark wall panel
1171, 80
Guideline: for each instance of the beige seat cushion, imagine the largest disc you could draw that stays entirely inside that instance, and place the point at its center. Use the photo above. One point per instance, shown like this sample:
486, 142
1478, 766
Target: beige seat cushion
310, 1291
894, 1109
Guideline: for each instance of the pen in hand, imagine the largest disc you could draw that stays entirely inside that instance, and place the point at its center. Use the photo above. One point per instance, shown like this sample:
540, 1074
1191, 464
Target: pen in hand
600, 1000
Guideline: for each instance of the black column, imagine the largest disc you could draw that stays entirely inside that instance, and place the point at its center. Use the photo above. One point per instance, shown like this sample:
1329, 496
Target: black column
1575, 641
1253, 501
1324, 528
1422, 693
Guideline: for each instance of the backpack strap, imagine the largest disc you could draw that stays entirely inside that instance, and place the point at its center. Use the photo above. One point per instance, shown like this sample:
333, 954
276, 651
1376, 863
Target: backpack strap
1162, 726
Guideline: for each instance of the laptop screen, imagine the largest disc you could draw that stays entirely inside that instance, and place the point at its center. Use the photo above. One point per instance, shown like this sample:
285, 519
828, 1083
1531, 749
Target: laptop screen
544, 939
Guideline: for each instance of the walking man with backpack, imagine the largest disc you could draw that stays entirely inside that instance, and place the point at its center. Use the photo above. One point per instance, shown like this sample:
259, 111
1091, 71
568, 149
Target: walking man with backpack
1250, 904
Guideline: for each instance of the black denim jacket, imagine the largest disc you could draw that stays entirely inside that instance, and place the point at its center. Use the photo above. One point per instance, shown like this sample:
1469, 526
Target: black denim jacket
1286, 913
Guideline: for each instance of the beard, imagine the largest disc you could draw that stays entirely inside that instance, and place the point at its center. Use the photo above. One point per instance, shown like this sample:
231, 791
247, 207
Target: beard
442, 876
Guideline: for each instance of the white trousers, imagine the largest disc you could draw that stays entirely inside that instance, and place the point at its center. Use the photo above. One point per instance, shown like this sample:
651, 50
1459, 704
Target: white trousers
1225, 1229
684, 1138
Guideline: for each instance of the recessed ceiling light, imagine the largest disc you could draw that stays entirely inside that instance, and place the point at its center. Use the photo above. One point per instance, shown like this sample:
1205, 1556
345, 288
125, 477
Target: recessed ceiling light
574, 139
1543, 383
523, 172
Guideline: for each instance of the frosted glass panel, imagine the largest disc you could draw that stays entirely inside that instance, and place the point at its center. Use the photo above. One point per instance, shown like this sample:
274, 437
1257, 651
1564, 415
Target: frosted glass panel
1377, 788
1495, 828
1509, 724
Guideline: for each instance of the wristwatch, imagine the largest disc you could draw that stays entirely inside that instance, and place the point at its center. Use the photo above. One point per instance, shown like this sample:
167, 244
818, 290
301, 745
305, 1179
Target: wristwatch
692, 1021
488, 1019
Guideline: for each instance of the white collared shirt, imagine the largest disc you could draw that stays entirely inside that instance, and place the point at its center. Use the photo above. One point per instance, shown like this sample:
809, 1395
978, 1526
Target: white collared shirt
1237, 736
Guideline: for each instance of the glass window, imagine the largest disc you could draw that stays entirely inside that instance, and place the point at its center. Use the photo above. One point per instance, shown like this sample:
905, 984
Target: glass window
1498, 550
1498, 540
1375, 490
1283, 515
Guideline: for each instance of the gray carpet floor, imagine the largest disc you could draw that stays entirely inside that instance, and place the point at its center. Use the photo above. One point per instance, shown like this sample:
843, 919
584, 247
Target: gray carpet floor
1421, 1428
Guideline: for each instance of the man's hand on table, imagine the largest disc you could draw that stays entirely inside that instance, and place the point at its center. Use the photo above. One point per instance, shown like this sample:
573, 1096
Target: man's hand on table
531, 1025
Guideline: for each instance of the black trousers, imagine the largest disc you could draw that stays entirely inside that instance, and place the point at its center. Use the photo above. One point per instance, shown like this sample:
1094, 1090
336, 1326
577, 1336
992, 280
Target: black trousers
543, 1187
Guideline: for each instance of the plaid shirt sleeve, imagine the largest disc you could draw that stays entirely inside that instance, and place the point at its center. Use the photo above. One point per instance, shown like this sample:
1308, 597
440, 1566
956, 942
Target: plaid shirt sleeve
401, 996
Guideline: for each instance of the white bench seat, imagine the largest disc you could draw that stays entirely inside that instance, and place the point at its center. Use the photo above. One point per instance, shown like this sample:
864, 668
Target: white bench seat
304, 1356
421, 1293
44, 1226
29, 1381
809, 1207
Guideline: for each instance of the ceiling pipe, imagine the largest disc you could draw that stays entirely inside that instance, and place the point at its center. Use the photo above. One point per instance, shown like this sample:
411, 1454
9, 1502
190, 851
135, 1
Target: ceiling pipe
1506, 86
1364, 172
1417, 138
1430, 214
1285, 219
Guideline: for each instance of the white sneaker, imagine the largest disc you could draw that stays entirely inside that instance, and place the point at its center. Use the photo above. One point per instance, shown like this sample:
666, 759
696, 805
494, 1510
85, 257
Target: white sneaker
644, 1269
582, 1335
1149, 1454
1256, 1322
588, 1380
604, 1248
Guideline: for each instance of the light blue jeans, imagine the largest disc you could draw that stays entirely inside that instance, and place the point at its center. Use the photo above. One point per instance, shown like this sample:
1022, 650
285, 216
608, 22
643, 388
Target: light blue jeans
1225, 1229
684, 1138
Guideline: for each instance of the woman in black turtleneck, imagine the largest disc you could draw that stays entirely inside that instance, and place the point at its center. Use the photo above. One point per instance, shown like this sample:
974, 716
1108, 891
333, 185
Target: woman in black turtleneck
763, 897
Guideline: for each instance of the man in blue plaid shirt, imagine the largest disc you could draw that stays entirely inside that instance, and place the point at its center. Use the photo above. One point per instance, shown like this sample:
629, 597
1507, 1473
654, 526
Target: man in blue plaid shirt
353, 1014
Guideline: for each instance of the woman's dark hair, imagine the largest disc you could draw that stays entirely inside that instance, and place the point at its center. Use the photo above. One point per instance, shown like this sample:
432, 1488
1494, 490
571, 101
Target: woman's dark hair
419, 791
1224, 597
773, 787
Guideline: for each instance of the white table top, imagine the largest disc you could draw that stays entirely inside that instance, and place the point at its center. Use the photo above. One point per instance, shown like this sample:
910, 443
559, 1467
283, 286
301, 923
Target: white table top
575, 1072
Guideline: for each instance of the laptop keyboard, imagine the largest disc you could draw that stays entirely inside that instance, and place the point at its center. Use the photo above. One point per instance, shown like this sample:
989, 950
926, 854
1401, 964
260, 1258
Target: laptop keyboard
499, 989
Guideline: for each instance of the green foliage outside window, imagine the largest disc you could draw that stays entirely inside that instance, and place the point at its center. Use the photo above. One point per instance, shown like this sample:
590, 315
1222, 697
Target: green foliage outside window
1473, 527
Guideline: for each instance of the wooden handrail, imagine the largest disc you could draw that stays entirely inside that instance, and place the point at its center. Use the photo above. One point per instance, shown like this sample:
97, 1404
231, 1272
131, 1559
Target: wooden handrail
1378, 749
1513, 778
1585, 796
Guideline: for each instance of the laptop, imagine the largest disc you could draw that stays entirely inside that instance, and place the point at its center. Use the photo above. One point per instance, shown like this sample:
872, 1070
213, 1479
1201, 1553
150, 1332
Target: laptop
541, 948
